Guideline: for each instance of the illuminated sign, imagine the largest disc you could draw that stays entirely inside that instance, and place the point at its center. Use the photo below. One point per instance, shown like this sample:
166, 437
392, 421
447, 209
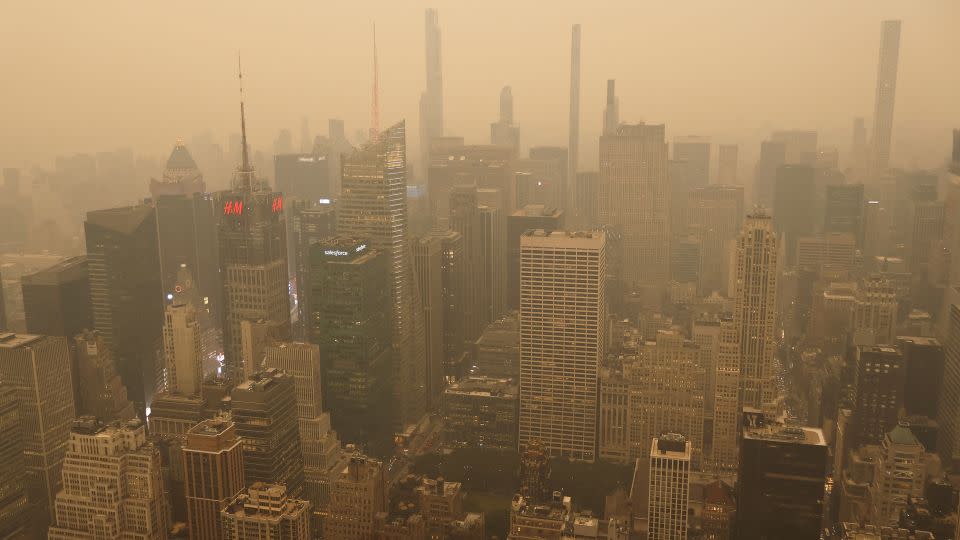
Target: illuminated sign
233, 208
277, 205
360, 248
335, 253
323, 201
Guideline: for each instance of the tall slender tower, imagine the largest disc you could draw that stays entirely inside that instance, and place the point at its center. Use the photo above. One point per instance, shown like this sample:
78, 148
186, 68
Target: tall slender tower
611, 114
886, 93
375, 104
373, 206
431, 101
574, 143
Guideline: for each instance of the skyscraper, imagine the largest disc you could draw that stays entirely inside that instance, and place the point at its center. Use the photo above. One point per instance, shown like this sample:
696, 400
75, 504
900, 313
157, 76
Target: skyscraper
793, 197
308, 222
562, 338
773, 154
428, 268
886, 94
111, 482
633, 196
924, 360
125, 292
305, 176
611, 113
37, 368
669, 487
182, 350
493, 232
465, 219
264, 409
373, 206
431, 100
573, 146
264, 512
879, 374
900, 475
358, 493
13, 485
727, 170
100, 391
503, 132
527, 218
213, 475
844, 211
695, 150
714, 213
56, 300
453, 274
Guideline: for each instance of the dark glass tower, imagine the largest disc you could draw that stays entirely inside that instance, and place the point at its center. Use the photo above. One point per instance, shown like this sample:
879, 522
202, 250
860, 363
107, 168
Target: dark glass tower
56, 300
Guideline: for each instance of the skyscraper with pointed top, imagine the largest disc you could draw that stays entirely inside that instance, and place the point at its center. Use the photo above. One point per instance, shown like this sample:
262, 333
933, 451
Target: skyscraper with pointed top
253, 256
431, 100
503, 132
611, 114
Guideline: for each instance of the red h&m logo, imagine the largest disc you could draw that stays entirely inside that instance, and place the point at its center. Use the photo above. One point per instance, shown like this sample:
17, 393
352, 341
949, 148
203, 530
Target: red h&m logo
233, 208
277, 204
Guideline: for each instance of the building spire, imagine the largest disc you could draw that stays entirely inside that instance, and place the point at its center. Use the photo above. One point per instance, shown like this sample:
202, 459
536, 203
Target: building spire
245, 165
375, 109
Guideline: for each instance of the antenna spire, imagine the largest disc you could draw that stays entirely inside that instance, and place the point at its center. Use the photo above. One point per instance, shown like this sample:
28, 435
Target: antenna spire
245, 166
375, 109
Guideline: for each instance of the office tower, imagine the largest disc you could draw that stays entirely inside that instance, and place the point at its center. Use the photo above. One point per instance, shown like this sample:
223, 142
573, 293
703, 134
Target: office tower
828, 252
493, 232
548, 518
780, 493
503, 132
253, 256
706, 334
37, 368
859, 151
924, 361
265, 512
573, 144
586, 186
716, 212
358, 493
3, 307
844, 210
727, 169
554, 158
719, 509
428, 269
304, 176
948, 413
182, 350
484, 166
875, 312
112, 484
308, 222
125, 292
350, 324
465, 218
186, 229
793, 198
213, 475
669, 487
926, 230
264, 409
879, 387
685, 260
695, 150
886, 93
481, 412
56, 300
800, 146
527, 218
13, 485
373, 207
431, 100
321, 447
614, 405
539, 181
611, 113
440, 502
99, 390
562, 338
452, 275
773, 154
665, 393
633, 197
900, 476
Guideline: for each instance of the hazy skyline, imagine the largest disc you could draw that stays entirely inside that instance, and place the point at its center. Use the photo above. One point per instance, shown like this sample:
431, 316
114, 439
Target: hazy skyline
96, 76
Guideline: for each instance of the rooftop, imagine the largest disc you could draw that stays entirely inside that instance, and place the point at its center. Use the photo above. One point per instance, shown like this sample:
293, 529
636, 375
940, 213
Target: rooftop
72, 269
781, 433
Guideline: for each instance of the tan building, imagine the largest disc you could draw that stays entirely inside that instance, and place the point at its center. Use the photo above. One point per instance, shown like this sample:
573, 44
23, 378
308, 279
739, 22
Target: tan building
357, 495
669, 487
875, 312
441, 502
112, 485
900, 475
100, 391
562, 339
539, 520
829, 251
727, 169
265, 512
213, 475
715, 212
182, 350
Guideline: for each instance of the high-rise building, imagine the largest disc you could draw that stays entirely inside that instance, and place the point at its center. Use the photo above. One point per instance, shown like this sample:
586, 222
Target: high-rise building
611, 113
431, 100
213, 475
493, 232
308, 222
875, 312
727, 169
924, 361
886, 93
773, 154
800, 146
573, 144
900, 475
530, 217
793, 198
948, 414
503, 132
827, 252
305, 176
633, 197
844, 210
695, 150
780, 493
321, 447
484, 166
264, 409
56, 300
879, 374
465, 218
481, 412
350, 288
13, 485
562, 339
452, 276
428, 269
725, 444
264, 512
125, 292
112, 484
669, 487
373, 207
37, 368
719, 509
182, 350
358, 493
99, 390
715, 214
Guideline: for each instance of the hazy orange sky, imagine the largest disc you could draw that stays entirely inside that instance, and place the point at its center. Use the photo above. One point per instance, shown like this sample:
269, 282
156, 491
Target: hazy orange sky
87, 76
